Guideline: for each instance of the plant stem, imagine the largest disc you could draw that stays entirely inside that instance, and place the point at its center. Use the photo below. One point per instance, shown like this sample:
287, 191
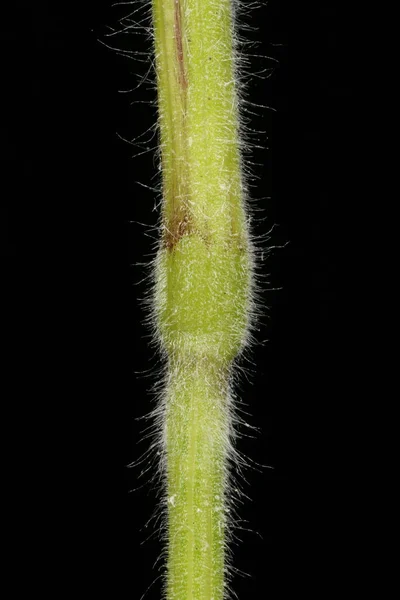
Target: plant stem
203, 278
196, 434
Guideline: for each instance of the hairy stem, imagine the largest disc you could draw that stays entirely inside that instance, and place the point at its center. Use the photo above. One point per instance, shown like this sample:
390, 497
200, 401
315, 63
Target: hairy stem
197, 430
202, 299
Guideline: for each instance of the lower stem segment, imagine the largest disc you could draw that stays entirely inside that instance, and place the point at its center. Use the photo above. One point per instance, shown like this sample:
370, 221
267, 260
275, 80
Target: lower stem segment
197, 431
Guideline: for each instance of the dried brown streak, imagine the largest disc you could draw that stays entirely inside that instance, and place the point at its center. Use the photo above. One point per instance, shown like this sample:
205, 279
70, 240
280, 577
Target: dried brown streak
178, 226
179, 45
179, 222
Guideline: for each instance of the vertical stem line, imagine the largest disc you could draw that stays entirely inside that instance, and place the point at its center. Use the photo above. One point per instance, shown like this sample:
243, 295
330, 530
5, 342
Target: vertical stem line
191, 492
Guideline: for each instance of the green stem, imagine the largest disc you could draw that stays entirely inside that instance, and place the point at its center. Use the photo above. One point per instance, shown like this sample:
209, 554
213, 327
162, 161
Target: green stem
197, 429
202, 299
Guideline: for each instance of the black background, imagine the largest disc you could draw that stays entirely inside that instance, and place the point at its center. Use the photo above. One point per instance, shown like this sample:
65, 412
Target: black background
72, 219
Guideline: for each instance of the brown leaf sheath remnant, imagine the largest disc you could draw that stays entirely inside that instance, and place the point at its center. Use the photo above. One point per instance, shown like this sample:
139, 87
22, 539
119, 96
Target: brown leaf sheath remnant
178, 222
178, 225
